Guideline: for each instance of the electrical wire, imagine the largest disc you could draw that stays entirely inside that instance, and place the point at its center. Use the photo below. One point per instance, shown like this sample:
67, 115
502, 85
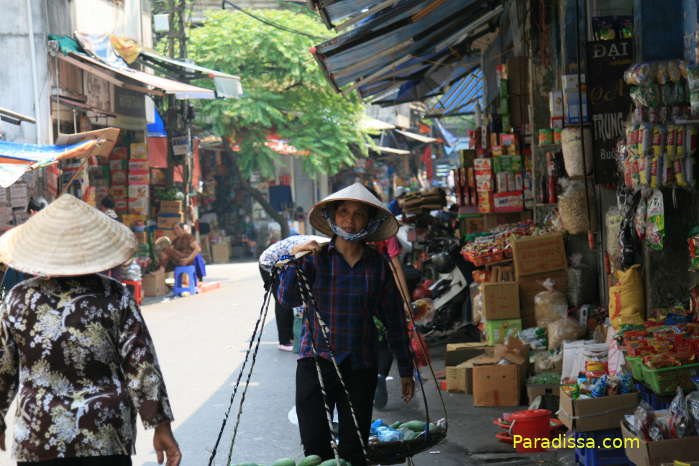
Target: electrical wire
268, 22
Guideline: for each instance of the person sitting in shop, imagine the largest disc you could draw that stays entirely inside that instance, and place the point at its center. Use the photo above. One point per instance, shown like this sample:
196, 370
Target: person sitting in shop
107, 207
184, 250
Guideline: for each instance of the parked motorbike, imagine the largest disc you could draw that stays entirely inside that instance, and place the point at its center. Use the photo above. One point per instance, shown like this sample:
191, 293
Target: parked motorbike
450, 313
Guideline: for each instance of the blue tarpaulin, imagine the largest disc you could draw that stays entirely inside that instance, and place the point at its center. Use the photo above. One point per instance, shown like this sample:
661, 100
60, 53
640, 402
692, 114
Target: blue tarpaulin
17, 159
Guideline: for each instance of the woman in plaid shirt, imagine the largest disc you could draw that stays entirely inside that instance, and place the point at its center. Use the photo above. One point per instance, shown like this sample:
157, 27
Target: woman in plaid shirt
351, 283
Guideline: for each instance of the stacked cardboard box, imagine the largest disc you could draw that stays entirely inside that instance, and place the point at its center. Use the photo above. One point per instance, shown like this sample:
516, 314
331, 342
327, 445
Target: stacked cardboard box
500, 309
536, 259
496, 384
118, 174
139, 179
458, 370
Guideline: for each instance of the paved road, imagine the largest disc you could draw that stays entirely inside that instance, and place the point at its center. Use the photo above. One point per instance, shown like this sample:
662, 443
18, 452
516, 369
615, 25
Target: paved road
201, 343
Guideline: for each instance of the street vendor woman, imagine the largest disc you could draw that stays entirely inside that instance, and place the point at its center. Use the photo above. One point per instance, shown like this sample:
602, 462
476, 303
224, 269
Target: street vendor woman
351, 283
74, 347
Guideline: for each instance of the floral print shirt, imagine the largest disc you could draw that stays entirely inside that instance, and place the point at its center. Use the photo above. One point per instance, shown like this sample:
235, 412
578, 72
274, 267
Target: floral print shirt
78, 354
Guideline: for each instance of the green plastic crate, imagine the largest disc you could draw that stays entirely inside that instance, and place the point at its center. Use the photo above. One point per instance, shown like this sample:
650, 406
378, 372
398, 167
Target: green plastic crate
636, 366
667, 380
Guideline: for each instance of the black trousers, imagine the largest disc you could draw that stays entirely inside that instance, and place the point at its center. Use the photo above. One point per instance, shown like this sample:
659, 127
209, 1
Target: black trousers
284, 315
116, 460
313, 424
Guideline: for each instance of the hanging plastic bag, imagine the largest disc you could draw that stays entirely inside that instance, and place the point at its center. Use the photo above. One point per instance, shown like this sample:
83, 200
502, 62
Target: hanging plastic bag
655, 229
549, 305
565, 329
582, 282
577, 162
626, 299
572, 208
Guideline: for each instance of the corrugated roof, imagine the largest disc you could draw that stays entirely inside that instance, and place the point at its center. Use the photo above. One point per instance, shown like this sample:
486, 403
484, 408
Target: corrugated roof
460, 98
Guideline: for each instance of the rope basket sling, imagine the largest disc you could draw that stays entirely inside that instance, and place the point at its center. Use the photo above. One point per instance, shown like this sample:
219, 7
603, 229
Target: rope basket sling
376, 452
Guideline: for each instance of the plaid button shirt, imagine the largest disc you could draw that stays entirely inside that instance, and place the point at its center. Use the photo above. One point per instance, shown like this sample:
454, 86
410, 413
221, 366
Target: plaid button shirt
348, 298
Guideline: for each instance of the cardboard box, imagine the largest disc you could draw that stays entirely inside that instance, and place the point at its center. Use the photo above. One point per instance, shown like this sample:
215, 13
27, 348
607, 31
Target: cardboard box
596, 413
119, 177
168, 221
500, 300
138, 191
154, 284
139, 166
460, 378
136, 178
534, 390
530, 286
116, 165
485, 202
461, 352
171, 207
484, 182
539, 254
496, 330
500, 384
662, 451
221, 253
508, 202
483, 165
139, 151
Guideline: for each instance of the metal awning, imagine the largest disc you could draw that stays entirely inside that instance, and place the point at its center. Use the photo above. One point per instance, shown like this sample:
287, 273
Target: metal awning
227, 85
149, 84
15, 118
409, 47
461, 98
390, 150
418, 137
372, 124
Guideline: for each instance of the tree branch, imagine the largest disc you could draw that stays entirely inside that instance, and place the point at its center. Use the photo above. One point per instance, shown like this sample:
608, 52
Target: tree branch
258, 196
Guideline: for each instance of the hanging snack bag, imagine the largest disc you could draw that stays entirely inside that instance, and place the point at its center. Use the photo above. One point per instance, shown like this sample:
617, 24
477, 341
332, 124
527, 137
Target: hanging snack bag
655, 229
693, 81
694, 248
639, 220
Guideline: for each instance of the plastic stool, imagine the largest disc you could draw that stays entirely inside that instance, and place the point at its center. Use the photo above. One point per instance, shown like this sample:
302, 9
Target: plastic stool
191, 272
137, 290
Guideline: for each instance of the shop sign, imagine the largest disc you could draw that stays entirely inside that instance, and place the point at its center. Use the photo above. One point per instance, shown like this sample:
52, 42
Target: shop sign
129, 103
180, 145
609, 102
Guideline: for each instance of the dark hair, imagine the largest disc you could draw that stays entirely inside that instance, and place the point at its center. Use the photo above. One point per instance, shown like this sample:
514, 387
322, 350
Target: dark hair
107, 202
36, 204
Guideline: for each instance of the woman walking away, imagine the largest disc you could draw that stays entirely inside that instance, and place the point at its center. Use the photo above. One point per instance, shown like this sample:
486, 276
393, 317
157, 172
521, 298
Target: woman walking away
74, 346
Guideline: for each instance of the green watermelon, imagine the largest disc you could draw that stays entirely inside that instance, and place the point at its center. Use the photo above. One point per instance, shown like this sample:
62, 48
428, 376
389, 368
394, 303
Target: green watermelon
313, 460
284, 462
333, 462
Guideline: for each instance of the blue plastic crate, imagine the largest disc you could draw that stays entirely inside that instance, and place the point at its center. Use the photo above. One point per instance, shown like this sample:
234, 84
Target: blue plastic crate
656, 401
600, 456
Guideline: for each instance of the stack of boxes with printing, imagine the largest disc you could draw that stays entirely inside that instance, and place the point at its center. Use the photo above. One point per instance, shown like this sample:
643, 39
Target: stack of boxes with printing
169, 213
19, 199
507, 166
118, 173
138, 193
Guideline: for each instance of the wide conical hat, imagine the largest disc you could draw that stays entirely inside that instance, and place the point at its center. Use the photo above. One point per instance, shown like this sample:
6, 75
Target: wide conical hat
67, 238
356, 192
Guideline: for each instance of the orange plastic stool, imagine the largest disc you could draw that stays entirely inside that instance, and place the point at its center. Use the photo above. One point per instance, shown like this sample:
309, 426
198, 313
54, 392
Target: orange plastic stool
137, 290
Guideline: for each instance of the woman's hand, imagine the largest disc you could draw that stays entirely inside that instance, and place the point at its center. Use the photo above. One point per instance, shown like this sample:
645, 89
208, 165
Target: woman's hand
312, 246
166, 446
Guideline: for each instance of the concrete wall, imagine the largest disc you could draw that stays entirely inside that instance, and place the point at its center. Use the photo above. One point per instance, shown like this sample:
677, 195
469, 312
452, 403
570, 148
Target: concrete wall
16, 75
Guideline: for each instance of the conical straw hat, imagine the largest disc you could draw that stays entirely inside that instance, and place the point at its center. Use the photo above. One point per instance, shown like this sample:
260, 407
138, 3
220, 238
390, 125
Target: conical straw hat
67, 238
356, 192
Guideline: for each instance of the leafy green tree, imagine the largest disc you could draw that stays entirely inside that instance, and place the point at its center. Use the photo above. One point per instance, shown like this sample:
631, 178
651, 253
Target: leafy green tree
284, 91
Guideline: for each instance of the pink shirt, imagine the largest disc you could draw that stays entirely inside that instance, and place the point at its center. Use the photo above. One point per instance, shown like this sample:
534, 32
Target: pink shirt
389, 247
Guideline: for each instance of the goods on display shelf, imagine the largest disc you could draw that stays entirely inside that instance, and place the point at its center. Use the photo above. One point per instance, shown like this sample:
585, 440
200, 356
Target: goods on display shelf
496, 245
660, 147
662, 356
